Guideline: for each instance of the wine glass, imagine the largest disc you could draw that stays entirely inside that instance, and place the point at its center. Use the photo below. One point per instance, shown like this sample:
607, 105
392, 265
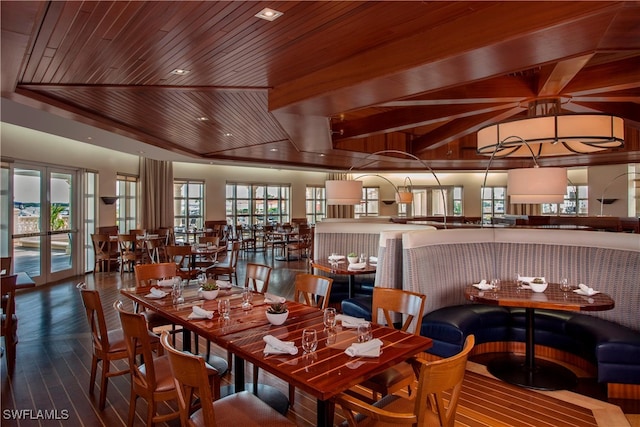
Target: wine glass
176, 291
224, 308
364, 332
309, 340
247, 297
495, 284
564, 285
329, 318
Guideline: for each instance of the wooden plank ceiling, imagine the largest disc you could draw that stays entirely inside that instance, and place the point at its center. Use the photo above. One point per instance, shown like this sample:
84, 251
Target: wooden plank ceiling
328, 82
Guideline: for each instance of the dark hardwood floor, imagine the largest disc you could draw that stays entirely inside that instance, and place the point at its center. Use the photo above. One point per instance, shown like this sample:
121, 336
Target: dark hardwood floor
49, 385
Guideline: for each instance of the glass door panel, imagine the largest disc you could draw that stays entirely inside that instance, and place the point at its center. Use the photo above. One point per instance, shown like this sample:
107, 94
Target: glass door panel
27, 221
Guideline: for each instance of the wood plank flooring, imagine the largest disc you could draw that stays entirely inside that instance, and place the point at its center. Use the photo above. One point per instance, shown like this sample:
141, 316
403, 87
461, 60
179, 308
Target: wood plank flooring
49, 385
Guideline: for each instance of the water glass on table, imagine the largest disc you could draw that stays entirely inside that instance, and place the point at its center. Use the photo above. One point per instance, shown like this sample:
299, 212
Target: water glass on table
176, 291
564, 285
224, 308
247, 297
309, 340
364, 332
329, 318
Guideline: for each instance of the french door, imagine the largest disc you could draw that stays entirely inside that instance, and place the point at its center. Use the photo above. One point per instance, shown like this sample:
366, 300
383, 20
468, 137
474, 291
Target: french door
45, 222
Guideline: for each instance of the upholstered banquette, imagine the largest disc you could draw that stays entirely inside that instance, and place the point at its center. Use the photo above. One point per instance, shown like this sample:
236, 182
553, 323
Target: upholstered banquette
441, 264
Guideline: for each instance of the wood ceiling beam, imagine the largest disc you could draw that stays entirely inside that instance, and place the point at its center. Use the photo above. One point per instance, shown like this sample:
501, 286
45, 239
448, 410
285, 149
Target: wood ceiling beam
614, 76
554, 78
411, 65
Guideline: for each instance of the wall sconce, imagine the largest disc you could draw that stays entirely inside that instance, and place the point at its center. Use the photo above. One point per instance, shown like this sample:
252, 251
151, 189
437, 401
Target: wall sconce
108, 200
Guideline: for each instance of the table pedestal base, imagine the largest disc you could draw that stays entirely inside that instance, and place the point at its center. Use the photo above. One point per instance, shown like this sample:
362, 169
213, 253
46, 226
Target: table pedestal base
268, 394
545, 375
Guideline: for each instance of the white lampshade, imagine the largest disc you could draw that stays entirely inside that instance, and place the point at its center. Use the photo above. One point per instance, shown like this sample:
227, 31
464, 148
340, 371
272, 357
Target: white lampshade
537, 185
343, 192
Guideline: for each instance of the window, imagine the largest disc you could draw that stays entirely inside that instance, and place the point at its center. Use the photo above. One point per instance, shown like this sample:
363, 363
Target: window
575, 202
428, 201
315, 205
126, 203
493, 202
259, 204
90, 212
369, 206
188, 203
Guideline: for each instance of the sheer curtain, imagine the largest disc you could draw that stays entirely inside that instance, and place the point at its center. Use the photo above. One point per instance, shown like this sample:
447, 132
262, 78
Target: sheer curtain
524, 209
156, 193
340, 211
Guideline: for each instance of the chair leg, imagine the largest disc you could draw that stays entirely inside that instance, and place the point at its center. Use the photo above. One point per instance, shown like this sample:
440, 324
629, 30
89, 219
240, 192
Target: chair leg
132, 407
103, 384
255, 378
94, 369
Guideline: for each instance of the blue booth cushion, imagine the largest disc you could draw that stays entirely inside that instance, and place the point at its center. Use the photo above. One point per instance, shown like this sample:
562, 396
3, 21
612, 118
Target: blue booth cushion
359, 307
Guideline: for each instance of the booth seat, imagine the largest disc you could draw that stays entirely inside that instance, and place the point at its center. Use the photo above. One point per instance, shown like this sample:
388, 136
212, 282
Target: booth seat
441, 264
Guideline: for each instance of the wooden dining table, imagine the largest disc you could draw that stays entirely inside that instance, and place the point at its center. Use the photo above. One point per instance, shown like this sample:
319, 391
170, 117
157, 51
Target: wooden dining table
526, 370
342, 268
323, 373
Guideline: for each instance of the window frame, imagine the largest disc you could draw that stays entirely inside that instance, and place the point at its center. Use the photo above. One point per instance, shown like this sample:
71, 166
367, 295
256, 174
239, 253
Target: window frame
188, 220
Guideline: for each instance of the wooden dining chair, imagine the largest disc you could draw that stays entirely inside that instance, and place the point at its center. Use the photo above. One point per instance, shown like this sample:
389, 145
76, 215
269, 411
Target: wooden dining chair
104, 251
191, 381
151, 377
208, 260
257, 277
386, 305
181, 256
9, 320
302, 245
5, 265
435, 403
107, 345
314, 291
227, 268
155, 250
145, 274
129, 255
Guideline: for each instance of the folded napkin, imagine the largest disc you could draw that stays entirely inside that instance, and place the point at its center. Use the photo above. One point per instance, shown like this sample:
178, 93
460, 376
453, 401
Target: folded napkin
156, 293
274, 346
200, 313
336, 257
357, 266
350, 321
585, 290
373, 260
370, 348
272, 299
483, 285
223, 284
165, 283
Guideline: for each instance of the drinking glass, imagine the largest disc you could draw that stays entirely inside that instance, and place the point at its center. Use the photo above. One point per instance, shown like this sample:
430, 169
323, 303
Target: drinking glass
202, 279
309, 340
495, 283
247, 297
224, 307
364, 332
329, 318
363, 258
176, 292
564, 285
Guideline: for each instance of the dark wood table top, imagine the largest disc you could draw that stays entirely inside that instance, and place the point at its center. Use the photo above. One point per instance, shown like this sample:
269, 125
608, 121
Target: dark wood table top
510, 295
323, 373
341, 267
329, 370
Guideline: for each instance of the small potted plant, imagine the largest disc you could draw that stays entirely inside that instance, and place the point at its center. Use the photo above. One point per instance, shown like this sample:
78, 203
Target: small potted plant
277, 313
352, 257
209, 290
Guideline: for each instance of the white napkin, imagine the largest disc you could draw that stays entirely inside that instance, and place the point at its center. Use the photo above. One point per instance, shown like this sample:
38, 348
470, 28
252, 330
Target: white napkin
223, 284
156, 293
275, 346
200, 313
585, 290
373, 260
336, 257
370, 348
483, 285
357, 266
272, 299
349, 321
165, 283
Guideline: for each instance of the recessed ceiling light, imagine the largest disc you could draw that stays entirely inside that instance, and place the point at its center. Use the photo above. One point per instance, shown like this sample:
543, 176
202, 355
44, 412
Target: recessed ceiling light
89, 138
321, 154
202, 119
180, 72
228, 134
269, 14
273, 149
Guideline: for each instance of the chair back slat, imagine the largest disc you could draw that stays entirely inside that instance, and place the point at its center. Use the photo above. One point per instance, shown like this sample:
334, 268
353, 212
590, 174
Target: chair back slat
314, 289
387, 301
258, 274
95, 316
146, 272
